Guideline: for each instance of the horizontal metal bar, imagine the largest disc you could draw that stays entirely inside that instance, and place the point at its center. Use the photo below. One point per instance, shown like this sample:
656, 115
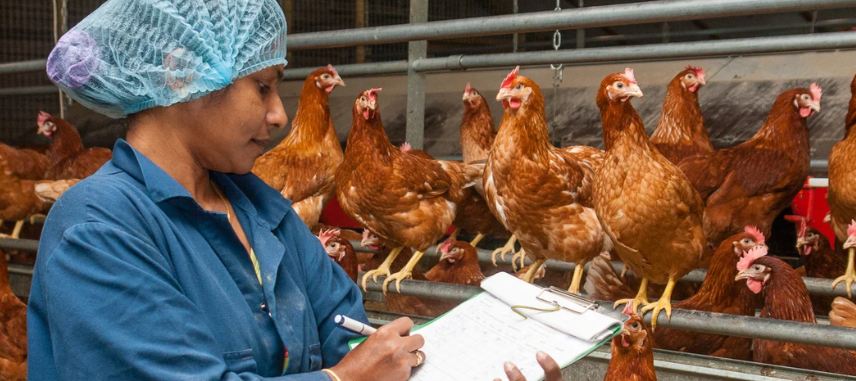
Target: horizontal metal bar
707, 322
375, 68
31, 245
819, 164
590, 17
23, 66
35, 90
825, 41
815, 286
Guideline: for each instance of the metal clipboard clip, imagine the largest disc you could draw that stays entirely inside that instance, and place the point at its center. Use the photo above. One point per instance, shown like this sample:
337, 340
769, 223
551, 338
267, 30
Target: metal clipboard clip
560, 299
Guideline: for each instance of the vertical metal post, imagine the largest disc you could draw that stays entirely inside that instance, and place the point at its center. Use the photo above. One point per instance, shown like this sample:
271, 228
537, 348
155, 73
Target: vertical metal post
516, 39
581, 33
60, 25
415, 133
360, 16
288, 9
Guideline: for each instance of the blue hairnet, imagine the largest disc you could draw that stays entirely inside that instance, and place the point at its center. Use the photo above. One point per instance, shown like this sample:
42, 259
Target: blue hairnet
131, 55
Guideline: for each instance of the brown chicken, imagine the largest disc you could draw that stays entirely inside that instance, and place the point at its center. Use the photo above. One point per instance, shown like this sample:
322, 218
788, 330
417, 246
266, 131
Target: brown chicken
25, 164
647, 206
398, 303
541, 193
820, 260
459, 264
632, 351
477, 137
786, 298
340, 251
680, 132
69, 159
719, 293
13, 329
842, 188
752, 183
843, 313
20, 199
303, 165
404, 199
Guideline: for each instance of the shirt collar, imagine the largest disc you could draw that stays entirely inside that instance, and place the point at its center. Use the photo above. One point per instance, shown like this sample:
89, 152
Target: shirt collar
247, 192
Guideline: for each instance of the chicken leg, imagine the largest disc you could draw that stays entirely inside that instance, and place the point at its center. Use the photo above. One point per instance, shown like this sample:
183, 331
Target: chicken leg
454, 236
405, 273
383, 269
641, 298
533, 269
665, 302
16, 233
578, 278
502, 251
850, 275
476, 240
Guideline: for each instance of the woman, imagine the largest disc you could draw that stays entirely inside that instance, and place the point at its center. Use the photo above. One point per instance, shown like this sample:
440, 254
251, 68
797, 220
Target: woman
173, 262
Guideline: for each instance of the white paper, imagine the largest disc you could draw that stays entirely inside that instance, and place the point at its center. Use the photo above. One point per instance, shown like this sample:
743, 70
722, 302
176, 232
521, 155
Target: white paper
473, 341
590, 325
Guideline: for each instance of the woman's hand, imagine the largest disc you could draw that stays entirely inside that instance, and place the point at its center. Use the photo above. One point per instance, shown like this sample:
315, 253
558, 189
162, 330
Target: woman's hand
552, 371
388, 354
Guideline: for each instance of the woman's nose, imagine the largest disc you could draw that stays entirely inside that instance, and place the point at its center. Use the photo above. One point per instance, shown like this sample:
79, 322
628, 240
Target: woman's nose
276, 116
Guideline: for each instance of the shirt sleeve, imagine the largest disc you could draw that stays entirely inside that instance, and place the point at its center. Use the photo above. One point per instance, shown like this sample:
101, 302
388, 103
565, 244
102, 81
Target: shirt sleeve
331, 292
115, 312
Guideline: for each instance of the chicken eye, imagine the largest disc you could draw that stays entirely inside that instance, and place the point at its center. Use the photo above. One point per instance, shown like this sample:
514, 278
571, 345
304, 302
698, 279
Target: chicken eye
690, 76
518, 87
635, 325
805, 97
619, 85
475, 93
455, 250
325, 76
810, 235
363, 99
335, 245
756, 268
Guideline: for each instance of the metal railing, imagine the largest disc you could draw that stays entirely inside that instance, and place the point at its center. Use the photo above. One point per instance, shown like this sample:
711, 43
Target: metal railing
698, 321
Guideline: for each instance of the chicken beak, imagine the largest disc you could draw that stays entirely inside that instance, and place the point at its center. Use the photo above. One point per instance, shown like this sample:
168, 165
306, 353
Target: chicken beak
634, 91
445, 256
701, 81
504, 94
742, 275
814, 106
339, 82
850, 243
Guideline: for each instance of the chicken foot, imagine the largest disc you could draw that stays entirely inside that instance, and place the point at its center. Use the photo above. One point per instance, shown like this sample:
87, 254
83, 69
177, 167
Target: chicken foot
578, 278
641, 298
533, 269
850, 275
665, 303
502, 251
476, 240
405, 273
521, 255
383, 269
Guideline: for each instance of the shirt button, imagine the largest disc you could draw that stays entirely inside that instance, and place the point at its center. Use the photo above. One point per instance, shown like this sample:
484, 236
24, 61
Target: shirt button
263, 306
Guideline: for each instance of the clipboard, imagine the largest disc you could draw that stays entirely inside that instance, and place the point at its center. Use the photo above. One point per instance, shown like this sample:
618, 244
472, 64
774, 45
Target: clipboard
475, 339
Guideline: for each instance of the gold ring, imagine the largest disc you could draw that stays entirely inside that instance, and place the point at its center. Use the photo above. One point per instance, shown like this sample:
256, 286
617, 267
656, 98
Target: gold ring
419, 359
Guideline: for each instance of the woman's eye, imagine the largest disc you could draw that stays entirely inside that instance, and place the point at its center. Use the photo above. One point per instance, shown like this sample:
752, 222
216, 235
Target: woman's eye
263, 88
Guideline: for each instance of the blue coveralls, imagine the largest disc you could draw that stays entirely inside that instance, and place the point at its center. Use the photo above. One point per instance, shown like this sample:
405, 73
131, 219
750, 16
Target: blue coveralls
135, 281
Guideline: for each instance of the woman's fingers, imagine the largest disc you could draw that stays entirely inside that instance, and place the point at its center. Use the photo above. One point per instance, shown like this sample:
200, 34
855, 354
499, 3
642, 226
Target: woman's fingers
412, 343
401, 326
513, 373
552, 371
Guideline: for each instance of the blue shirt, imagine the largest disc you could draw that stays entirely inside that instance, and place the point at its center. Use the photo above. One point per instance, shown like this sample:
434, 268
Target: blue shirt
135, 281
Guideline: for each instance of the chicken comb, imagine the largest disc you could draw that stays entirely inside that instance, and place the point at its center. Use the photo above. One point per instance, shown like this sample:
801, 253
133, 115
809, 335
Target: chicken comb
698, 71
468, 88
366, 234
816, 92
406, 147
506, 83
628, 309
333, 70
43, 117
371, 92
851, 229
755, 233
751, 256
325, 235
628, 73
444, 247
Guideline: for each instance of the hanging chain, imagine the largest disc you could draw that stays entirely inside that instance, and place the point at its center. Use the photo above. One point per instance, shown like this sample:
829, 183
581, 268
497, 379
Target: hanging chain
557, 69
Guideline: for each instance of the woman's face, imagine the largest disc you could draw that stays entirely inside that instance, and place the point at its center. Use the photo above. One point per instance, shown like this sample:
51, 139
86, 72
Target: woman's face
229, 129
